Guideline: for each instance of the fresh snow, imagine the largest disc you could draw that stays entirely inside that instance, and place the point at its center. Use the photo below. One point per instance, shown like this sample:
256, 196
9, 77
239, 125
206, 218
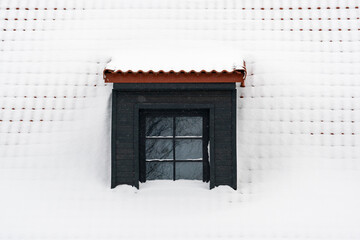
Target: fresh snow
298, 118
176, 57
300, 203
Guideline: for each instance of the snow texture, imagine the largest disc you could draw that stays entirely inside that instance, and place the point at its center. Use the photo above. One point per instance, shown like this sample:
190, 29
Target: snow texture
298, 119
180, 57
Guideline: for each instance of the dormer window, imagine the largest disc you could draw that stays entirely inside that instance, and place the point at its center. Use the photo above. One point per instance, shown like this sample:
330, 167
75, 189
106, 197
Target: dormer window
174, 125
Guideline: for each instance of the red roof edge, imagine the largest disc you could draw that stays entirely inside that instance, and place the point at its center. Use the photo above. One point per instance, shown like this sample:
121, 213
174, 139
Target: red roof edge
203, 76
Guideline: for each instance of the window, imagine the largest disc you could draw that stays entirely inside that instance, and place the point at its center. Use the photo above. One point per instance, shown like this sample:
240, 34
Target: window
174, 145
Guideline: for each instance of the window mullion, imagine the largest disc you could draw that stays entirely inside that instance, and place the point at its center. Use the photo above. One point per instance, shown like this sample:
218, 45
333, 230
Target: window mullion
174, 127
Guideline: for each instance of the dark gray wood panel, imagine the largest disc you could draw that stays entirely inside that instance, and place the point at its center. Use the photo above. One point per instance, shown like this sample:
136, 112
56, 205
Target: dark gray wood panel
124, 150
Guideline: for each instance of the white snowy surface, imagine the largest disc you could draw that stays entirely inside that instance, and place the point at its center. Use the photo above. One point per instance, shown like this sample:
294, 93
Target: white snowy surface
301, 203
177, 57
298, 120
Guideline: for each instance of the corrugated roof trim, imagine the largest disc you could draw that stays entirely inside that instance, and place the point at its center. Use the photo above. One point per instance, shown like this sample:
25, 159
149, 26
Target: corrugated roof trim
175, 72
182, 76
221, 68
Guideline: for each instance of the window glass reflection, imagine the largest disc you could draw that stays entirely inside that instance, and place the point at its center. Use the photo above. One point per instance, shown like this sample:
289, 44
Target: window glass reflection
188, 126
159, 170
159, 149
189, 170
159, 126
188, 149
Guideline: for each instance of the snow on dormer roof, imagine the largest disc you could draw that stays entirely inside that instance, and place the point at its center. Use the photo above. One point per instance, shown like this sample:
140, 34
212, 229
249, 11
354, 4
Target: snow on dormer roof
177, 58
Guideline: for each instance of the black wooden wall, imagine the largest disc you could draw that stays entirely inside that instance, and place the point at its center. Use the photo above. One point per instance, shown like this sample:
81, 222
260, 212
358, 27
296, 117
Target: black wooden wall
128, 98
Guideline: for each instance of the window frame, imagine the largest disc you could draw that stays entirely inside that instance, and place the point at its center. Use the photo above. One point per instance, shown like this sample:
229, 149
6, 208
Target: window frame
173, 114
139, 107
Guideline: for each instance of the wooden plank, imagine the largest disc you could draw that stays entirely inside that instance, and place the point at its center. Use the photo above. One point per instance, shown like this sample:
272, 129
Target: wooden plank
223, 161
174, 77
124, 163
215, 87
125, 175
222, 170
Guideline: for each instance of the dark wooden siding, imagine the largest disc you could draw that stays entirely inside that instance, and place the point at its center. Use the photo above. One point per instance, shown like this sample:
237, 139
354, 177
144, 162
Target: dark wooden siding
124, 149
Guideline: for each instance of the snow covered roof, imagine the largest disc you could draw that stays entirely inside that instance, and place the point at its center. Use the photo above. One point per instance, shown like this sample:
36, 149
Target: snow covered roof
191, 63
177, 58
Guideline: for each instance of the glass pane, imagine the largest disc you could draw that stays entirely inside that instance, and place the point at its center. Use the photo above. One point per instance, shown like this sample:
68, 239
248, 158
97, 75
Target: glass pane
159, 126
188, 149
159, 149
159, 170
189, 170
188, 126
